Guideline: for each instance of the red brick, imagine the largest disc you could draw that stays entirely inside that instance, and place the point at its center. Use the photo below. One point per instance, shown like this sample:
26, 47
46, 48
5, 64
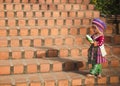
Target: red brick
54, 32
52, 7
64, 14
18, 69
63, 53
11, 22
83, 31
2, 22
102, 80
9, 7
71, 1
38, 14
57, 66
80, 14
45, 67
77, 22
2, 14
109, 29
44, 32
84, 52
37, 42
60, 22
116, 50
50, 22
115, 63
41, 1
86, 1
26, 42
34, 32
4, 55
78, 41
49, 1
4, 70
44, 7
29, 54
83, 7
69, 41
3, 32
68, 6
29, 14
64, 31
35, 7
63, 1
31, 22
56, 14
16, 54
52, 53
1, 1
18, 7
47, 14
76, 82
96, 14
21, 22
72, 14
75, 52
23, 32
3, 42
58, 41
27, 7
41, 22
78, 1
117, 39
10, 14
33, 1
13, 32
105, 65
88, 14
49, 83
60, 7
41, 53
31, 68
8, 1
86, 21
2, 7
69, 22
35, 84
16, 1
73, 31
63, 82
91, 7
114, 79
89, 81
76, 6
19, 14
81, 65
48, 42
14, 42
24, 1
21, 84
56, 1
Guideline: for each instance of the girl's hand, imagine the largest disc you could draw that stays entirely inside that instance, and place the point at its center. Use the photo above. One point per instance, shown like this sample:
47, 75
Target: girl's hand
95, 43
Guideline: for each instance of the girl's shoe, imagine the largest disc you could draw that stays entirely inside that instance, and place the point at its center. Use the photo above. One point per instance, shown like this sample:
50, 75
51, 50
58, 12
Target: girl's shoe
90, 75
99, 76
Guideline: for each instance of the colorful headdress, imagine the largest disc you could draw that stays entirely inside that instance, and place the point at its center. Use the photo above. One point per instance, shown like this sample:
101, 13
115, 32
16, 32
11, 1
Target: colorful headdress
99, 23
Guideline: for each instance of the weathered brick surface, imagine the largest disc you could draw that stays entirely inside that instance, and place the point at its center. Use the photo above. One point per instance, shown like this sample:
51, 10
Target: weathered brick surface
34, 33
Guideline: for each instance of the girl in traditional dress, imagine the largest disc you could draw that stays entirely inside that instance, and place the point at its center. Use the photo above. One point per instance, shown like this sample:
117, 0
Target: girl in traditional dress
95, 56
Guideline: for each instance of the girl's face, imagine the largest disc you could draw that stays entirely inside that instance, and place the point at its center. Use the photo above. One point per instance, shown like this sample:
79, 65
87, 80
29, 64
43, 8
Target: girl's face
94, 30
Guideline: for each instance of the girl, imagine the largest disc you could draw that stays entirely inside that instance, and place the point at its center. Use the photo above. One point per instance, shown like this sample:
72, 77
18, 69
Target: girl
94, 53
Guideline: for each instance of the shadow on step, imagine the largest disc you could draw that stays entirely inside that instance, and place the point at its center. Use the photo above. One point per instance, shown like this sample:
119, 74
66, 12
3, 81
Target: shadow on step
73, 64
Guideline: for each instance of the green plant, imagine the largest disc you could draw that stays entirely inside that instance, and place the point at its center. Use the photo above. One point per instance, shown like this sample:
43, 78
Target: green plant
107, 7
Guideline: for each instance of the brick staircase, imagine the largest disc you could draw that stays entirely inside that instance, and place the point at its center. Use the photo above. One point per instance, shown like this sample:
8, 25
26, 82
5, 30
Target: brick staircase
42, 43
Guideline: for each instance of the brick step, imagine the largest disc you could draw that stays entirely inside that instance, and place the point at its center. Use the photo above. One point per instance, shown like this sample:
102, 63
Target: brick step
112, 39
45, 65
65, 78
46, 1
59, 14
32, 22
39, 41
39, 6
43, 31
